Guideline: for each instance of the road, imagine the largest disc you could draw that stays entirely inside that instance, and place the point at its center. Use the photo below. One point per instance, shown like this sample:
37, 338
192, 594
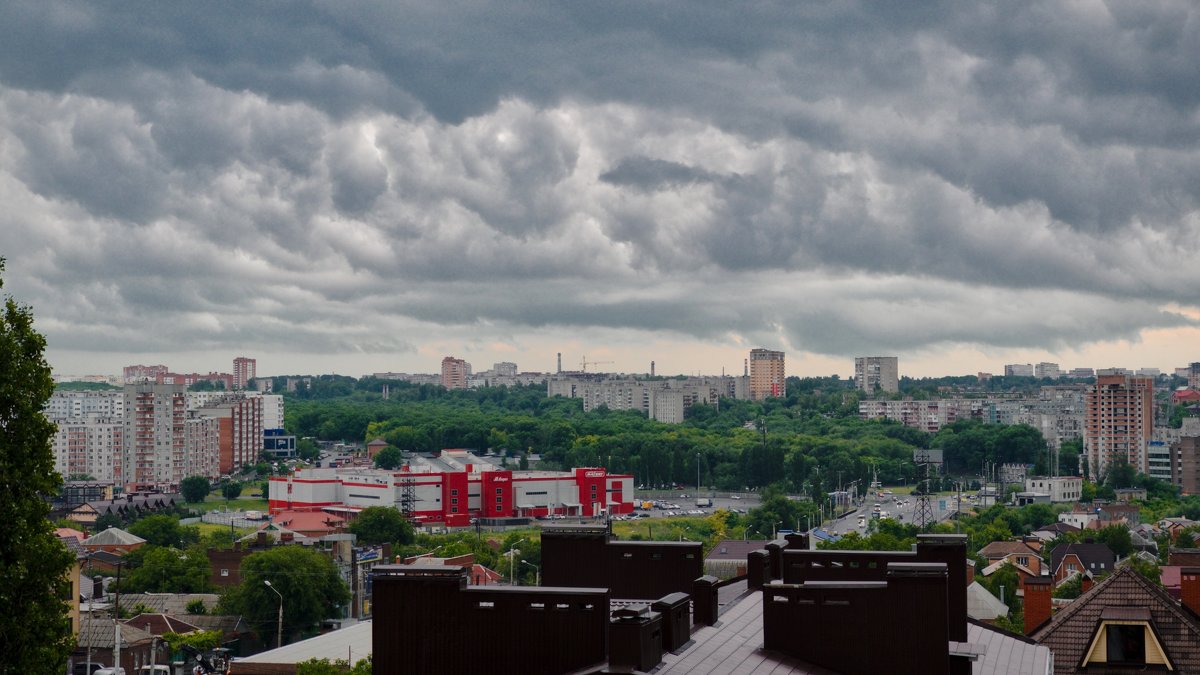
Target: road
942, 505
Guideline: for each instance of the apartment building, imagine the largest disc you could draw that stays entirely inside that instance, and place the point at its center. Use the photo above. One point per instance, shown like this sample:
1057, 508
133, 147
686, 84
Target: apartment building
455, 373
1183, 457
1045, 369
663, 400
1120, 418
877, 373
240, 419
67, 404
133, 374
202, 438
1018, 370
767, 374
153, 439
244, 370
89, 445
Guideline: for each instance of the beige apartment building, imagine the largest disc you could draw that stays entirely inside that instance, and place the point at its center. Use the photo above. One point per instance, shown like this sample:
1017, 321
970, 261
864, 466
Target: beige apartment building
454, 373
1119, 422
767, 374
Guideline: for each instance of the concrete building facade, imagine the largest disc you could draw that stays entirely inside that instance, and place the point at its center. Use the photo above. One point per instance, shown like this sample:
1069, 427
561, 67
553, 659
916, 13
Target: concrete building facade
1062, 489
153, 439
244, 370
240, 429
663, 400
455, 373
877, 373
1119, 422
767, 374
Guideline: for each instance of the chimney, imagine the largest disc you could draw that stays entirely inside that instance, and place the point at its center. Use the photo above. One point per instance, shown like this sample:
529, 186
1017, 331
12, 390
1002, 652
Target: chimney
560, 362
1085, 584
1189, 587
970, 572
1037, 602
651, 369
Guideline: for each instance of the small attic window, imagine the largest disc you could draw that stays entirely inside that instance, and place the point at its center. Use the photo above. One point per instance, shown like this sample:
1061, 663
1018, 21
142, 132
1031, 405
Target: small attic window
724, 550
1125, 637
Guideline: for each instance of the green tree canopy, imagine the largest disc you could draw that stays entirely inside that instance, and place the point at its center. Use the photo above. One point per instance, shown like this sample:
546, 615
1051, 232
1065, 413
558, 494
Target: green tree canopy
35, 633
389, 458
231, 490
195, 488
163, 530
169, 570
308, 581
381, 524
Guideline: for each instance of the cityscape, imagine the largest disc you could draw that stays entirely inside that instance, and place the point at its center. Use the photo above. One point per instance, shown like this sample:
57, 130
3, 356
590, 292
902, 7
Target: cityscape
1097, 443
675, 338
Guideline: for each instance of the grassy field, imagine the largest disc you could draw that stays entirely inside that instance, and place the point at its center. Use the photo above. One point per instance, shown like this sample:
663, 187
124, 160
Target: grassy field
207, 528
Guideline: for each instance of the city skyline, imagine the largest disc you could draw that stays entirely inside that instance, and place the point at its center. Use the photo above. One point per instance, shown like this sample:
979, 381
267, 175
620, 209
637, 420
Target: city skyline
202, 365
372, 189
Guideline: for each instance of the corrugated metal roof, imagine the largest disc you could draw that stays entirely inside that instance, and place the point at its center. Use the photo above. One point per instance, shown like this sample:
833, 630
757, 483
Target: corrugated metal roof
353, 642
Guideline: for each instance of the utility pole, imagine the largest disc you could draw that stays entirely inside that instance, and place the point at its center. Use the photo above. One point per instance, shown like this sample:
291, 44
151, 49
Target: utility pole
117, 620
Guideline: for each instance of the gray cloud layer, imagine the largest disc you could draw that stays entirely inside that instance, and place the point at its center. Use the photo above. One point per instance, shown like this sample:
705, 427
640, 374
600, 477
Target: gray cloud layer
846, 177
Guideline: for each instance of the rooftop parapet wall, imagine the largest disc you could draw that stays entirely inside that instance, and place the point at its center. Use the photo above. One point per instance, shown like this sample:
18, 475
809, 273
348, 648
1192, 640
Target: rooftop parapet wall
427, 620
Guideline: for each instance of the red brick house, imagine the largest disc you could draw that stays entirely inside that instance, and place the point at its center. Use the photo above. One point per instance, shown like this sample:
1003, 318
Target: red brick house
1093, 559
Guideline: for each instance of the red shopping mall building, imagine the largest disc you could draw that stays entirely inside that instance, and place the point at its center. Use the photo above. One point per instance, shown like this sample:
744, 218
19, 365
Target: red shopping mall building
456, 487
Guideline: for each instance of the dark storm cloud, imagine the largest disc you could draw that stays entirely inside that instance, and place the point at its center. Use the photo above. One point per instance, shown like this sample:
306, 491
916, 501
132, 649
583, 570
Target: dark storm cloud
289, 173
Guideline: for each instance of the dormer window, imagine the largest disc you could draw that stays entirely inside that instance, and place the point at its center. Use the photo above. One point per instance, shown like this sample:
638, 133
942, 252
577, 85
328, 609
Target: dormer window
1126, 637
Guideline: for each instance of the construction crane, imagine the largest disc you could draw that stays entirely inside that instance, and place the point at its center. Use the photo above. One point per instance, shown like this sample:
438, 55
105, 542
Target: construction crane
584, 363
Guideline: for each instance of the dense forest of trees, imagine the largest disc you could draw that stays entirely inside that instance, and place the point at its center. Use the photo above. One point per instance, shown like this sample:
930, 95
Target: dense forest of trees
811, 441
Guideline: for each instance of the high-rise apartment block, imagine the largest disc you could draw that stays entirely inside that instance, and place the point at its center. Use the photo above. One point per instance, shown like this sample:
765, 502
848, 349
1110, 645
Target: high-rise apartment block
89, 445
243, 371
1184, 457
1018, 370
1119, 422
454, 373
663, 400
240, 420
132, 374
877, 373
1193, 376
766, 374
1045, 369
154, 441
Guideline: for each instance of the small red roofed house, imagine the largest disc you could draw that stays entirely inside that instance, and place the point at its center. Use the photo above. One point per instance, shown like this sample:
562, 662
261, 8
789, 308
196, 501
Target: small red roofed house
375, 446
1017, 552
313, 524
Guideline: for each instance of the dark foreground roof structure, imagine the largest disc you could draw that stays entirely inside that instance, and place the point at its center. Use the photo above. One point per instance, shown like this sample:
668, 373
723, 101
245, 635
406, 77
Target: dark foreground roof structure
795, 611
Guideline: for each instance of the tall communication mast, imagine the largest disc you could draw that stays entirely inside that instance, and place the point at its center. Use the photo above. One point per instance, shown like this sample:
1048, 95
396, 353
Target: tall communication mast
923, 513
407, 501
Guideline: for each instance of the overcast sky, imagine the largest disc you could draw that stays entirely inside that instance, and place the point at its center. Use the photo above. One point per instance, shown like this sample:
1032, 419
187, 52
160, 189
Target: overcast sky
366, 186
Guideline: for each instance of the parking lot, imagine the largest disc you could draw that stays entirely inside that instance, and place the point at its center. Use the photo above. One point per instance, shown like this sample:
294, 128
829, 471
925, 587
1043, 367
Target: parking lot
667, 504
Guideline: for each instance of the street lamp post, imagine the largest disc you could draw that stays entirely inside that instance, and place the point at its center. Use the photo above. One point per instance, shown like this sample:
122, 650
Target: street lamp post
773, 530
537, 572
279, 625
511, 561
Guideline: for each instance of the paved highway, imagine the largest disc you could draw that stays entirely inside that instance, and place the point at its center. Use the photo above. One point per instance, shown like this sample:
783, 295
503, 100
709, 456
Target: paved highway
898, 507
